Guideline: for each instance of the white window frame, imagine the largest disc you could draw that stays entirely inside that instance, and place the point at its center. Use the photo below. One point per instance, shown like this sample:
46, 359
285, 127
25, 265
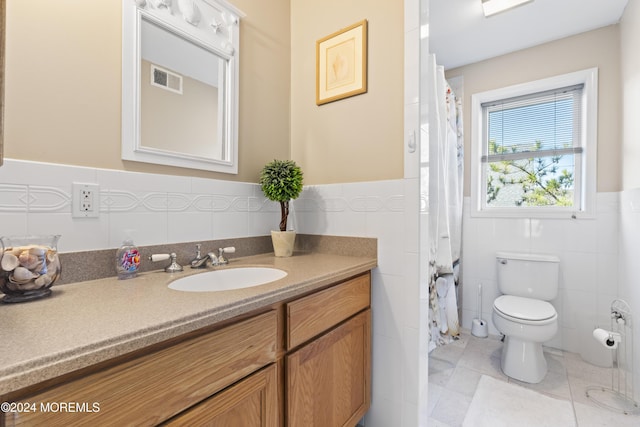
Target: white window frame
589, 123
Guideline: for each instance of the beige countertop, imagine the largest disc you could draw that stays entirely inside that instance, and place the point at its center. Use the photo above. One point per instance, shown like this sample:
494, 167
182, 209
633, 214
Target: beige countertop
85, 323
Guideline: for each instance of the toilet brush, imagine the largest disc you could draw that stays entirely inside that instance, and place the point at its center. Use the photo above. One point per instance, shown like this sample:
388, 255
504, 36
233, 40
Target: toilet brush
479, 327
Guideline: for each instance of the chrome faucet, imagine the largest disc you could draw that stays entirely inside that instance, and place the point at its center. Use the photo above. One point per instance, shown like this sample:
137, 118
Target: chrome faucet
201, 261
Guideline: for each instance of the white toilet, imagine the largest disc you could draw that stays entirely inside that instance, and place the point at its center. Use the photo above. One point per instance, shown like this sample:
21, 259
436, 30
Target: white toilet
522, 313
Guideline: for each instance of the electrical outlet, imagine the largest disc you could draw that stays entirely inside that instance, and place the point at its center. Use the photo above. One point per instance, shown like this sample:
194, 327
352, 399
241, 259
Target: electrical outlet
86, 200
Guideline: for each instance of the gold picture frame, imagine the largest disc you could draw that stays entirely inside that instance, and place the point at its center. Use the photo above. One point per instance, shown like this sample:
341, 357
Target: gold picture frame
341, 64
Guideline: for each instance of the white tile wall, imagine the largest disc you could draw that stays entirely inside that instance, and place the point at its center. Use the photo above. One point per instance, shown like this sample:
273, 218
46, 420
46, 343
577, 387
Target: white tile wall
588, 250
629, 273
36, 198
381, 209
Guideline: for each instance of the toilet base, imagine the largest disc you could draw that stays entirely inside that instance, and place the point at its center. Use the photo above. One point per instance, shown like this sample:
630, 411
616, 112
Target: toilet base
523, 360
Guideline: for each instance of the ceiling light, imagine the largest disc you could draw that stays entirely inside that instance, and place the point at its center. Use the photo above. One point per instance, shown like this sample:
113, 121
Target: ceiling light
491, 7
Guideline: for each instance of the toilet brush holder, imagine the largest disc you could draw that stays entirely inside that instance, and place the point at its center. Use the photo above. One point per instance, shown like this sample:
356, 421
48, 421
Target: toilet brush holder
479, 327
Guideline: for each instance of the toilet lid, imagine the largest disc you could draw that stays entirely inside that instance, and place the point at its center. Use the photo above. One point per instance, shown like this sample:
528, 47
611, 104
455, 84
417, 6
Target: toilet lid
524, 308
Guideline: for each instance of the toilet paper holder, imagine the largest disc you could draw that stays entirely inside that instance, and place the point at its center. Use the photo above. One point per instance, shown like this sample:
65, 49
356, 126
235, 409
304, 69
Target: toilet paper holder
620, 397
609, 339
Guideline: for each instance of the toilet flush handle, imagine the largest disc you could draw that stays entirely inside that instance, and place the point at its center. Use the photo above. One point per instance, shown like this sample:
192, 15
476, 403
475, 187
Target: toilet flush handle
502, 261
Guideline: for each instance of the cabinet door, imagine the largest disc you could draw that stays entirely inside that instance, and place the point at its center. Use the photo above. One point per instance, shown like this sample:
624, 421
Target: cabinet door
253, 402
328, 380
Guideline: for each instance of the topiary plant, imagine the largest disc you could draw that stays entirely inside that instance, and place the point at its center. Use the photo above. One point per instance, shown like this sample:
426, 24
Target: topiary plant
281, 181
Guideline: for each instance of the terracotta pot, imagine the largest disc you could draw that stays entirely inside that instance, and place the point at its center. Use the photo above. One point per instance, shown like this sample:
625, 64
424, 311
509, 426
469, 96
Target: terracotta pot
283, 242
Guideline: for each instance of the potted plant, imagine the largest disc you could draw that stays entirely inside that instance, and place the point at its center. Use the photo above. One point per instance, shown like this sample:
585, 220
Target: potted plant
281, 181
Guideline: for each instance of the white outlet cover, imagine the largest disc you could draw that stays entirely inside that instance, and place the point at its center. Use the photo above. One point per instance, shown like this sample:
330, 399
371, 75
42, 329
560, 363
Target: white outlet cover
77, 189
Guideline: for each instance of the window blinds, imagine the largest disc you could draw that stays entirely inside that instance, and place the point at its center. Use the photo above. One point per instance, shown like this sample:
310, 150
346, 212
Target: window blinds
542, 124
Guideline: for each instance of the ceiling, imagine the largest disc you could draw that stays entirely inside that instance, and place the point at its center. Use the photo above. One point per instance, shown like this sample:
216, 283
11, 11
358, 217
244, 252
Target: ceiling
459, 34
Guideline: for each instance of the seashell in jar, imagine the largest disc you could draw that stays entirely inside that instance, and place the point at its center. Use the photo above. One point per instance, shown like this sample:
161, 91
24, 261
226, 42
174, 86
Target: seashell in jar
53, 266
40, 267
52, 256
21, 275
43, 281
29, 286
34, 261
28, 260
13, 250
39, 251
9, 262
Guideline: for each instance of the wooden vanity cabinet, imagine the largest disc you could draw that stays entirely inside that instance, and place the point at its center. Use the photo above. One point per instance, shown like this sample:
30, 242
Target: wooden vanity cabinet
305, 362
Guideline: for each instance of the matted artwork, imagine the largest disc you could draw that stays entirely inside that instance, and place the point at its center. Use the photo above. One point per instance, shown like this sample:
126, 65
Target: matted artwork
341, 64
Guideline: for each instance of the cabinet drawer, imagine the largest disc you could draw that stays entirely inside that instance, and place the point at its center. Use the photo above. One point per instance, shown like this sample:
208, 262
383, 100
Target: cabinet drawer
155, 387
314, 314
253, 402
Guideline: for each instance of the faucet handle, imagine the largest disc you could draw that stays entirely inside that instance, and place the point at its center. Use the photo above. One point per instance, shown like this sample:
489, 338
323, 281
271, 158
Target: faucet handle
159, 257
222, 251
174, 266
171, 268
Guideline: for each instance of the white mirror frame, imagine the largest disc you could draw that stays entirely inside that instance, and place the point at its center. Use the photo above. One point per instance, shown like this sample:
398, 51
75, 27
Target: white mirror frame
212, 24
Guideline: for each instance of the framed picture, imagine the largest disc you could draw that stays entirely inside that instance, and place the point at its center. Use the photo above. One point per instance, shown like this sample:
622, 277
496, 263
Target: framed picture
341, 64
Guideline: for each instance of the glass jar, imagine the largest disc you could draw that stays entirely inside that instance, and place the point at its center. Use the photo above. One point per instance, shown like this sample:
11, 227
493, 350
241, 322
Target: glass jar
29, 265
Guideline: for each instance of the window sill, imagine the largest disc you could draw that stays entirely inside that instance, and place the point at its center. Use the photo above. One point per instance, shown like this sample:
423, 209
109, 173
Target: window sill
531, 213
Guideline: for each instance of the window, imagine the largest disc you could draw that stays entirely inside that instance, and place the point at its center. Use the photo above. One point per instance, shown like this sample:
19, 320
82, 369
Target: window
533, 148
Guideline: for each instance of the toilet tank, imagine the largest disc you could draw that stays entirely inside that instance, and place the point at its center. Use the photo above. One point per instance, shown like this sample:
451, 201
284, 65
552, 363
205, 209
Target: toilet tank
528, 275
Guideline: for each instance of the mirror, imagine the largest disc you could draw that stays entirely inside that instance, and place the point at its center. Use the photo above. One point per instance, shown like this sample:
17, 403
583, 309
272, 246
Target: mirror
180, 83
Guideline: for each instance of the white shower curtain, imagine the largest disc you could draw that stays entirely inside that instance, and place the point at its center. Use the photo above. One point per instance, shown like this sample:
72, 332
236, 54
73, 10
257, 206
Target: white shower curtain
445, 206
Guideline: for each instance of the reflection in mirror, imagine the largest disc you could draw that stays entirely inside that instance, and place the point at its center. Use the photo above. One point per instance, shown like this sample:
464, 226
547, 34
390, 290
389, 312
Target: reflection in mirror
180, 83
181, 95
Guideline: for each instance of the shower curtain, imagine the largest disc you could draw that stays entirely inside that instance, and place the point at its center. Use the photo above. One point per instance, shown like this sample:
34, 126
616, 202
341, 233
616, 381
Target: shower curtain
445, 207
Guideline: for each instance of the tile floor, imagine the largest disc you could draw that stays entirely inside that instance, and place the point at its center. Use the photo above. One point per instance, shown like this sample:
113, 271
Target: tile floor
455, 369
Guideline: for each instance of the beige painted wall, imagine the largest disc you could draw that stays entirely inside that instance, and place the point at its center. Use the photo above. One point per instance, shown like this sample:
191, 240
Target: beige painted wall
359, 138
630, 56
598, 48
63, 78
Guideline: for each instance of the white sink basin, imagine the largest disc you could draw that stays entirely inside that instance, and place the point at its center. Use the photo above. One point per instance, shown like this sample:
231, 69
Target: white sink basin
228, 279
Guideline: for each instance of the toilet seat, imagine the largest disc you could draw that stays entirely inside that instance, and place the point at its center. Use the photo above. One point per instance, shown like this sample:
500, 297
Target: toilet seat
525, 310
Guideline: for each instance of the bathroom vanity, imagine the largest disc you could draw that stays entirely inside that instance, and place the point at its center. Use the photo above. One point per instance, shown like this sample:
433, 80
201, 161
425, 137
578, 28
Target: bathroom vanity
292, 352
